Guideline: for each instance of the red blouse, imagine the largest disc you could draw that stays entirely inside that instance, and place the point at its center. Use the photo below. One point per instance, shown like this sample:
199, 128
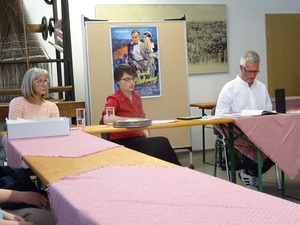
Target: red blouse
125, 108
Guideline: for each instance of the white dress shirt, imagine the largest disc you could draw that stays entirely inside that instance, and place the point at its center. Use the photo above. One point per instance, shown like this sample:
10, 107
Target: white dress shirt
236, 96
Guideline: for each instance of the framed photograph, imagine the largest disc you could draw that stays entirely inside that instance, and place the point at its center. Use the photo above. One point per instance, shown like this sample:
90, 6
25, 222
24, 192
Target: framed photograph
138, 47
206, 30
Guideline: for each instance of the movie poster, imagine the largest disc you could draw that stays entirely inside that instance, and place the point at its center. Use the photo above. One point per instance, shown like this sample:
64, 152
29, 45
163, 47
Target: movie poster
138, 46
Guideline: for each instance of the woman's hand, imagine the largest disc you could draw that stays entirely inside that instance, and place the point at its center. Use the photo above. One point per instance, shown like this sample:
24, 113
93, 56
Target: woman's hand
28, 197
33, 198
146, 133
11, 219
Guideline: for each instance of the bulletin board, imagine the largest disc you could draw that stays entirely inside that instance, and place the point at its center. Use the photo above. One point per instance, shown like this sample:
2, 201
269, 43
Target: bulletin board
206, 29
174, 100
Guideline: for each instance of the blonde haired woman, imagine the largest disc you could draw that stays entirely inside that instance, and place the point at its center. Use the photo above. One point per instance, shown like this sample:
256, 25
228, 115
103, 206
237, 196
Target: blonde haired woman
33, 104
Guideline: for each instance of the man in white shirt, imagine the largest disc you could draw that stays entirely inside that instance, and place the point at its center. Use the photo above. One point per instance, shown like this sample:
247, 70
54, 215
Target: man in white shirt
245, 92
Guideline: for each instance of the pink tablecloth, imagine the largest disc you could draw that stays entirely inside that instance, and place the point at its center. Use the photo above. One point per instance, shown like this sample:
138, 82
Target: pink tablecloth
162, 195
290, 102
76, 144
277, 136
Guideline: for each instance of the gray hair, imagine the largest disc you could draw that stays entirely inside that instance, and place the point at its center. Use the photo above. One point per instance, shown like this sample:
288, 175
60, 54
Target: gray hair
30, 76
251, 57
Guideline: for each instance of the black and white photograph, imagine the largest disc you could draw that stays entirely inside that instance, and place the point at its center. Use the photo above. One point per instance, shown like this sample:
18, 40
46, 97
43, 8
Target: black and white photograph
206, 30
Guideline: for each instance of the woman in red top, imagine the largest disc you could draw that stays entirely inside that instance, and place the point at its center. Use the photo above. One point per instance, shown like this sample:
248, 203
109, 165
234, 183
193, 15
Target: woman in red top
128, 103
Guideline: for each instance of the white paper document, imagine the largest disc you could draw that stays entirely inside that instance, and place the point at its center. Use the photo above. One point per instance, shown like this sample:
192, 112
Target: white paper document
254, 112
162, 121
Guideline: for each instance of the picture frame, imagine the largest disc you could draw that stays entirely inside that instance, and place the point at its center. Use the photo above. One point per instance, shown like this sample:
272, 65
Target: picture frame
146, 65
206, 30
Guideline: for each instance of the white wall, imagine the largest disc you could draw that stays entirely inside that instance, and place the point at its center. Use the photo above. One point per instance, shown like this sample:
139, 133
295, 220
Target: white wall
246, 30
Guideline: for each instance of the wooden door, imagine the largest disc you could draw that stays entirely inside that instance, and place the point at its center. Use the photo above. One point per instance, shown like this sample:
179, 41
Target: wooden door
283, 53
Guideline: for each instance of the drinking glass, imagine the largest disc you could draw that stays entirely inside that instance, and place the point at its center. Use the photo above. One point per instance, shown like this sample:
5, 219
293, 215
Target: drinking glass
110, 113
80, 117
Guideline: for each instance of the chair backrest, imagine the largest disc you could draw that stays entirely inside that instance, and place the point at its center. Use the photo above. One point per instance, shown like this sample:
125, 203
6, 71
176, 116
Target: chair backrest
213, 112
3, 127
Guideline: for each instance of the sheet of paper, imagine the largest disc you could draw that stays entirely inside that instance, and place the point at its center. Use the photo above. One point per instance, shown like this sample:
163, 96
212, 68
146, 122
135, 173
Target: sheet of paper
293, 111
162, 121
254, 112
213, 117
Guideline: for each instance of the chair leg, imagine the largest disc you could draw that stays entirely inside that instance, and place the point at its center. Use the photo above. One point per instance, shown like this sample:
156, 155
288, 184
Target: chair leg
226, 160
216, 157
191, 157
278, 176
220, 154
190, 149
219, 146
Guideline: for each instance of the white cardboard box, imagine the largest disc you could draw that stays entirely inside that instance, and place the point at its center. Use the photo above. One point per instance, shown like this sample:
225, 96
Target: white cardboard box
28, 128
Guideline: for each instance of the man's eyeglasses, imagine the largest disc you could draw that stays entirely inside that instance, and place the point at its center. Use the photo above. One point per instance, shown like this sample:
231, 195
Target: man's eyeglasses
128, 79
41, 82
251, 71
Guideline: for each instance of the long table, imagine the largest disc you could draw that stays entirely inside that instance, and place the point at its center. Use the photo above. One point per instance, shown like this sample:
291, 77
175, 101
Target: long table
249, 121
18, 149
274, 136
118, 181
98, 129
50, 169
277, 136
120, 186
263, 133
162, 195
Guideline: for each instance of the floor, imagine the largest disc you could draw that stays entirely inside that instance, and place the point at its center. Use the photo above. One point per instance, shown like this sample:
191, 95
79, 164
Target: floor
269, 179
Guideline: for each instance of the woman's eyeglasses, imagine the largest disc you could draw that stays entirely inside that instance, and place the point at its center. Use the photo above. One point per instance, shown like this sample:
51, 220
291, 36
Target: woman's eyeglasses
129, 79
41, 82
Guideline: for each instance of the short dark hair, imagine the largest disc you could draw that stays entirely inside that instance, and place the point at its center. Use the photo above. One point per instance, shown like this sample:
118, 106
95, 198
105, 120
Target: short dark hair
121, 69
135, 31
